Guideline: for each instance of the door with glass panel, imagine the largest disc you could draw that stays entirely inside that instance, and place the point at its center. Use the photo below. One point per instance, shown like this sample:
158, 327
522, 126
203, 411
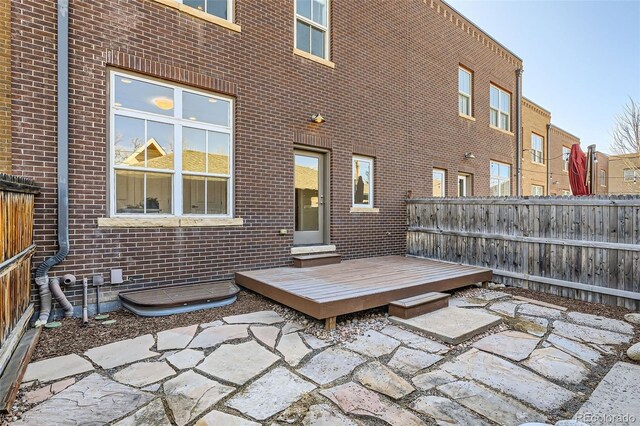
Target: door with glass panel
309, 198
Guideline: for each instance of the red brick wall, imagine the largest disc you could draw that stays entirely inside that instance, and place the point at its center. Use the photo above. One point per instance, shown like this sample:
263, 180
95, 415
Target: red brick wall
392, 94
559, 178
5, 86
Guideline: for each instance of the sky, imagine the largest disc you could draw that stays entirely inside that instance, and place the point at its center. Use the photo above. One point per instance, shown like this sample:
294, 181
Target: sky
581, 57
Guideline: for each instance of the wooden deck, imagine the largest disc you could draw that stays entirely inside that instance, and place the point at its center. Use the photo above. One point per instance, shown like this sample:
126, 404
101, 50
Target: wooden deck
354, 285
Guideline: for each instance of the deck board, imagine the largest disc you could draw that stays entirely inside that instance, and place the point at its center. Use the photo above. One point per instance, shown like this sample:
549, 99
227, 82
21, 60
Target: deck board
354, 285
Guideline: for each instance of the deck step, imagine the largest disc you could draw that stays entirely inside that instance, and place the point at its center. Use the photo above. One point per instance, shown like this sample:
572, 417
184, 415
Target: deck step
418, 305
319, 259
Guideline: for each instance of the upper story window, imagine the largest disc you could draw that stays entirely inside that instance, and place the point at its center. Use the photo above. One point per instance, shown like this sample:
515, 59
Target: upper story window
219, 8
631, 175
465, 82
536, 148
171, 149
362, 182
603, 178
500, 182
312, 27
500, 108
566, 153
439, 182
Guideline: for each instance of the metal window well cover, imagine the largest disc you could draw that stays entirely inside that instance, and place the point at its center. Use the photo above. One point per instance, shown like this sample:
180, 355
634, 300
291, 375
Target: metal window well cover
168, 300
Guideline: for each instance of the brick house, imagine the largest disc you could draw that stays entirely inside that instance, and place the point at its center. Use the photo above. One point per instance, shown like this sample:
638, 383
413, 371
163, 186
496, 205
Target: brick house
601, 174
5, 86
560, 142
535, 127
624, 174
206, 141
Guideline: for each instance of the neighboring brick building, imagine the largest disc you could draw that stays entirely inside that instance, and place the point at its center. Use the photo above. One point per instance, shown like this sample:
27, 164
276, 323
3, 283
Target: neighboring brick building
624, 174
535, 123
5, 86
385, 76
601, 174
560, 142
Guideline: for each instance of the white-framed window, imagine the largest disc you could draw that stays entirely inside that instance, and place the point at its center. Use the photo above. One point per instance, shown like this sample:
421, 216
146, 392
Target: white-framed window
566, 192
536, 149
500, 179
465, 87
631, 175
603, 178
312, 27
537, 190
464, 185
500, 108
362, 187
566, 153
439, 183
220, 8
171, 149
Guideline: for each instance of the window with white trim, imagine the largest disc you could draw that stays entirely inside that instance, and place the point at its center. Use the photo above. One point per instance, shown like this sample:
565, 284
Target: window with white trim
603, 178
536, 149
500, 179
500, 108
362, 185
465, 85
566, 153
439, 182
631, 175
537, 190
220, 8
171, 149
566, 193
312, 27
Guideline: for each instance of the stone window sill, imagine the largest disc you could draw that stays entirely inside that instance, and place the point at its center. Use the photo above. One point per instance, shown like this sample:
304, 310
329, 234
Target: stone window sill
200, 14
364, 210
468, 117
314, 58
506, 132
166, 222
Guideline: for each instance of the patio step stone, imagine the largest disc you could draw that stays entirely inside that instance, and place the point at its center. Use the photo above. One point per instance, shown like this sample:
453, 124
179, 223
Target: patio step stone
151, 414
46, 392
508, 378
326, 415
92, 400
238, 363
467, 302
331, 364
432, 379
506, 307
186, 358
490, 295
51, 369
410, 361
373, 343
267, 334
270, 394
218, 418
260, 317
123, 352
445, 411
490, 404
578, 350
177, 338
144, 373
538, 311
190, 394
414, 341
586, 334
314, 342
292, 348
355, 399
377, 377
557, 365
532, 325
600, 322
213, 336
292, 327
510, 344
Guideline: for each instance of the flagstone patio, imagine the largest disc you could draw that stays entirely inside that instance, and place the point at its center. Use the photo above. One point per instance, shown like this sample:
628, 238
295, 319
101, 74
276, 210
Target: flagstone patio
536, 364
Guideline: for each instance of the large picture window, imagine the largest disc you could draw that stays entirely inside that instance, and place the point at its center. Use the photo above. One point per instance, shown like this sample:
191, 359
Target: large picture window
362, 182
500, 108
500, 183
171, 149
312, 27
536, 149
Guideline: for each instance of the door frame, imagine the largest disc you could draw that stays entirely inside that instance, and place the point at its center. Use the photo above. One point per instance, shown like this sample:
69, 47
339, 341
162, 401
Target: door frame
326, 180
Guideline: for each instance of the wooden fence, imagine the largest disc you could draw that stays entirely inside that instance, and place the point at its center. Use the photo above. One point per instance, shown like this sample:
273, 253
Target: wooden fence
16, 248
586, 248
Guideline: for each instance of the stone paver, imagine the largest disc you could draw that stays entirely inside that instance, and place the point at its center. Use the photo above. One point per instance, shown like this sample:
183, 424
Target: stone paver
633, 318
46, 392
432, 379
238, 363
445, 411
586, 334
187, 358
373, 343
267, 334
292, 327
190, 394
93, 400
510, 344
557, 365
151, 415
326, 415
218, 418
213, 336
508, 378
56, 368
452, 325
122, 352
490, 404
292, 348
467, 302
410, 361
539, 311
314, 342
616, 396
506, 307
215, 323
490, 295
270, 394
331, 364
355, 399
379, 378
579, 350
600, 322
414, 341
144, 373
532, 325
177, 338
634, 352
261, 317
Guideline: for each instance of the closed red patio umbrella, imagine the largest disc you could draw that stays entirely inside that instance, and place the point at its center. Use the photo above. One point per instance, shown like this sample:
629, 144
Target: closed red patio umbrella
578, 171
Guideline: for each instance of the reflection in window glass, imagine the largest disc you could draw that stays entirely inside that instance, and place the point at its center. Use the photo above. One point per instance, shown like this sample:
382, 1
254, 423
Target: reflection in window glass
363, 181
500, 108
159, 145
132, 93
303, 36
303, 8
439, 183
128, 138
317, 42
219, 145
194, 150
311, 27
500, 179
464, 92
217, 8
205, 109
